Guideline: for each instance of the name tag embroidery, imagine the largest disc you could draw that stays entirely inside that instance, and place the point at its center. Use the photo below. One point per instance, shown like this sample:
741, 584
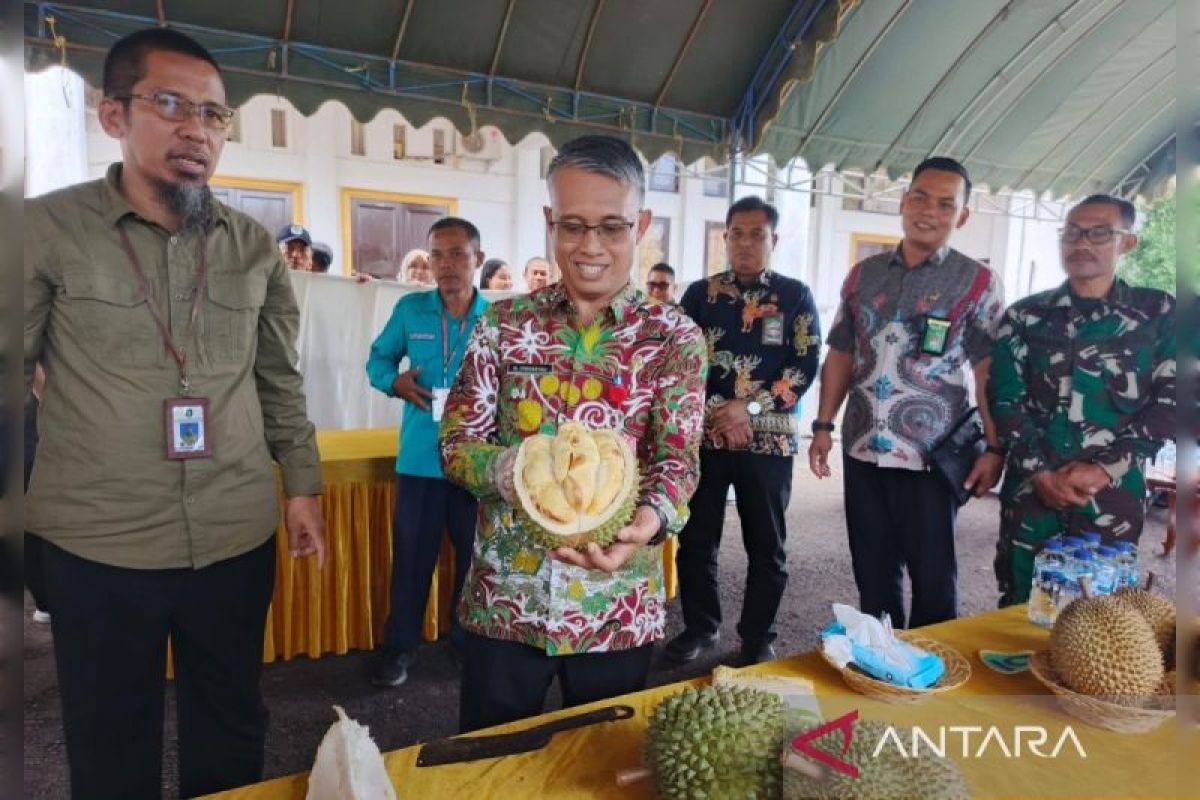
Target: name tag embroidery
529, 369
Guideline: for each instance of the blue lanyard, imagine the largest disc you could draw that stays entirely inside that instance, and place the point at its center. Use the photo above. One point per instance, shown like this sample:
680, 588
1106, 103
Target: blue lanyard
448, 353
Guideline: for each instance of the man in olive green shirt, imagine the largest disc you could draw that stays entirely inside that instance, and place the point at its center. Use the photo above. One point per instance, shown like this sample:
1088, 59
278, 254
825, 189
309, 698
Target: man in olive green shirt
166, 325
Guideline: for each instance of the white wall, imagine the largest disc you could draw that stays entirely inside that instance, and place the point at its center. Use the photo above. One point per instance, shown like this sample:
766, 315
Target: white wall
54, 102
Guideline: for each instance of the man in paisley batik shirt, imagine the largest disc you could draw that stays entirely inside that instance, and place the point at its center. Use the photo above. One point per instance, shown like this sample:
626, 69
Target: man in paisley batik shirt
1083, 392
589, 349
909, 322
764, 341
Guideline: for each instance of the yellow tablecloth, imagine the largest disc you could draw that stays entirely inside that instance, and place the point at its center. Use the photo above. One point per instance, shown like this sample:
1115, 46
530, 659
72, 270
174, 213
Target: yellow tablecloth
582, 763
344, 606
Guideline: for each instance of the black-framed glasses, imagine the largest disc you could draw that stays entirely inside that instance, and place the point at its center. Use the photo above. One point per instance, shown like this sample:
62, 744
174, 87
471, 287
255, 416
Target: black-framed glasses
174, 108
611, 231
1097, 234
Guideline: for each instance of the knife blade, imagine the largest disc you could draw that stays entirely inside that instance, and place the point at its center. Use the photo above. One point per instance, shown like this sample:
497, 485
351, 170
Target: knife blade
472, 748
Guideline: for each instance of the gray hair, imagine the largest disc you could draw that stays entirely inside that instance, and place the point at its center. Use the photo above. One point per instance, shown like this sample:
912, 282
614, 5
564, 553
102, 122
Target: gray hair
602, 155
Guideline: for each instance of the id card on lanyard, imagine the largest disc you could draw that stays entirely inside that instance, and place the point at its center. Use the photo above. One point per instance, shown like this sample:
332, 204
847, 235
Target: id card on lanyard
185, 416
442, 391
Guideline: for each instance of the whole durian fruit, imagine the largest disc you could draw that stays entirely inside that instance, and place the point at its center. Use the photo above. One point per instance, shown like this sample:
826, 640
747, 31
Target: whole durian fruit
1159, 613
1102, 647
716, 742
576, 487
890, 775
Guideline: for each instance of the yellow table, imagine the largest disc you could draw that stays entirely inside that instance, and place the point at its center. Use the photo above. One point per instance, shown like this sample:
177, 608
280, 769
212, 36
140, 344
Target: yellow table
344, 606
582, 763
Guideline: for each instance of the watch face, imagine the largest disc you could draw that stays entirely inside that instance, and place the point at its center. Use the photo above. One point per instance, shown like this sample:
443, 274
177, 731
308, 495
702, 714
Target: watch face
754, 408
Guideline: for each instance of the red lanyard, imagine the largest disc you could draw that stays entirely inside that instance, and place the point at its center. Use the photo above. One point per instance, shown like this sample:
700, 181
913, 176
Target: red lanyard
177, 351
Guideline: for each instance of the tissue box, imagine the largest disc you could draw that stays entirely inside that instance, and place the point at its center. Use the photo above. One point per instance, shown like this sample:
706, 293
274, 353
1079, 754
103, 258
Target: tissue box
924, 671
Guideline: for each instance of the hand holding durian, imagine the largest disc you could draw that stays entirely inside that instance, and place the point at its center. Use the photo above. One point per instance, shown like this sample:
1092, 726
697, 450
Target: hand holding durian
575, 493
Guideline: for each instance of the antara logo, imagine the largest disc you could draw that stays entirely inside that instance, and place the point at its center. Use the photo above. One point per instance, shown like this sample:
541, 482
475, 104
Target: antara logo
992, 740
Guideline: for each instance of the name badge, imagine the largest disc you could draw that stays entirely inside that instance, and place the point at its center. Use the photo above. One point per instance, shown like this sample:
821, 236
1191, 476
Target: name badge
421, 337
529, 369
440, 393
937, 331
187, 428
772, 329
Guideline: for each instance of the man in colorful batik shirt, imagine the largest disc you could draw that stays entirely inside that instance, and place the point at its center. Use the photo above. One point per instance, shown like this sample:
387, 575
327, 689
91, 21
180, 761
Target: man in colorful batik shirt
1083, 392
909, 322
764, 340
589, 349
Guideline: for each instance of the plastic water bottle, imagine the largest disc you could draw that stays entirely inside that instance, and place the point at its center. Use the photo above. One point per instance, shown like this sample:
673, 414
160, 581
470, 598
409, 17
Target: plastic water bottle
1105, 569
1073, 543
1067, 591
1165, 460
1081, 563
1127, 565
1092, 540
1048, 567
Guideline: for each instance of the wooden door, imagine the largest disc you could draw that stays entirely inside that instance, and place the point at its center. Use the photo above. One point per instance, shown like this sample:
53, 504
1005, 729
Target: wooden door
271, 208
382, 231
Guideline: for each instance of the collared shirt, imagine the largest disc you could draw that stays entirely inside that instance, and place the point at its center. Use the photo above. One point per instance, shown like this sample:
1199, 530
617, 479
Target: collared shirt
415, 330
1095, 382
903, 398
530, 367
102, 487
764, 343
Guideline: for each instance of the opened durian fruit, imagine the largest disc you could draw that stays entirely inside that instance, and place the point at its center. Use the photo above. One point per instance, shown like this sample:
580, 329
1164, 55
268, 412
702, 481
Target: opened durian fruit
349, 765
577, 487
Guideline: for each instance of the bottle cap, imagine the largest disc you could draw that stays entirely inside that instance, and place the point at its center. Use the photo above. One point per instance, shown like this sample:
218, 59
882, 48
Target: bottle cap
1083, 555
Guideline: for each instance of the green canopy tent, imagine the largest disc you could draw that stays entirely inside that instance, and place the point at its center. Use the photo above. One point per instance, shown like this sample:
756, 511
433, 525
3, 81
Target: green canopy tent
1058, 96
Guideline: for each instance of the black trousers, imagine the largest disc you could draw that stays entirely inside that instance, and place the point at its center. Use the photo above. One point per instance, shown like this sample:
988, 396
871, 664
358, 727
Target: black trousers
901, 518
425, 507
35, 569
110, 628
763, 485
504, 681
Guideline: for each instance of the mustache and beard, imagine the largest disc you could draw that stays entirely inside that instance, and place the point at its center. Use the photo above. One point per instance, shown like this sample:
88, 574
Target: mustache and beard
194, 205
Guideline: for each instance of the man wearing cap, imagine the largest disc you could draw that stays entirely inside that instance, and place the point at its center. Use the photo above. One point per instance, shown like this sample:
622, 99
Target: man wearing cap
322, 257
296, 245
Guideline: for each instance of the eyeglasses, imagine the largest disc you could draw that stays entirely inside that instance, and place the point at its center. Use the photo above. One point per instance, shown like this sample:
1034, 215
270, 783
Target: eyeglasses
611, 232
660, 286
1100, 234
174, 108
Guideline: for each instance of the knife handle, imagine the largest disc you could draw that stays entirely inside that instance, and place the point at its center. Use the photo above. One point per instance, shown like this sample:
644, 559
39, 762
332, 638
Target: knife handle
606, 714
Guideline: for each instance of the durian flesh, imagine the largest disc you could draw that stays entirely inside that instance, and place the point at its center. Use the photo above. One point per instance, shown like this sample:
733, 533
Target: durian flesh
577, 487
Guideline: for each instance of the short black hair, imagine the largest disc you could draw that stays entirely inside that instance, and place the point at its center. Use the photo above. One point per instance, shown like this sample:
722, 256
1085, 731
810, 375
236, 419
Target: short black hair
945, 164
125, 63
753, 203
1127, 209
663, 266
602, 155
490, 268
446, 223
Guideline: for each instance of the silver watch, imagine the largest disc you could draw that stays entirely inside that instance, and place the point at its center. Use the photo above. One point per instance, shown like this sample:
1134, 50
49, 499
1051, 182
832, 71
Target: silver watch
754, 408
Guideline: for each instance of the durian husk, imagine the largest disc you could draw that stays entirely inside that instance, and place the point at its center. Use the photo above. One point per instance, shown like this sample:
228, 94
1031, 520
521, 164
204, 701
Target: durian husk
1101, 647
1159, 613
890, 775
601, 527
717, 742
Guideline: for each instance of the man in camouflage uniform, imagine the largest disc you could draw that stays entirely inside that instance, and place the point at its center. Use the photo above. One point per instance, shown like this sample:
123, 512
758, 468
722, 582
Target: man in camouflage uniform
1082, 392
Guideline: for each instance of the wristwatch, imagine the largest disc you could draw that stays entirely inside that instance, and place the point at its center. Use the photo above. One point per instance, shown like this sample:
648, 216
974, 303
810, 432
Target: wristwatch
754, 408
818, 426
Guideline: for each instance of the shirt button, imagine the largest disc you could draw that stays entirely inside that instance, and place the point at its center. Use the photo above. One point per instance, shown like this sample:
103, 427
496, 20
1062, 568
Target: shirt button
173, 241
191, 499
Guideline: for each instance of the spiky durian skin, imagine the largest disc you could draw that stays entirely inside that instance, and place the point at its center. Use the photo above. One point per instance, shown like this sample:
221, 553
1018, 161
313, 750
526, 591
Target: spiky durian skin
1159, 613
716, 742
890, 775
1102, 647
602, 535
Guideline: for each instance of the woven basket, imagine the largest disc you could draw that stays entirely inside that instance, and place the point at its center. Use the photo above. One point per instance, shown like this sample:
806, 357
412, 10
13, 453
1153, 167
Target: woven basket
957, 672
1101, 713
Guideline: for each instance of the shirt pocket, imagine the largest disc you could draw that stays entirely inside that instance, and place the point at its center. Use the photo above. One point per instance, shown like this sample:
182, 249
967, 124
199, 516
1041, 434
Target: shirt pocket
1127, 386
231, 316
109, 319
426, 353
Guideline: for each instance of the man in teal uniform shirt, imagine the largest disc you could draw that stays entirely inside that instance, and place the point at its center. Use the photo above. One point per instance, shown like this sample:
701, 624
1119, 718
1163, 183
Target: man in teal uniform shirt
431, 329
